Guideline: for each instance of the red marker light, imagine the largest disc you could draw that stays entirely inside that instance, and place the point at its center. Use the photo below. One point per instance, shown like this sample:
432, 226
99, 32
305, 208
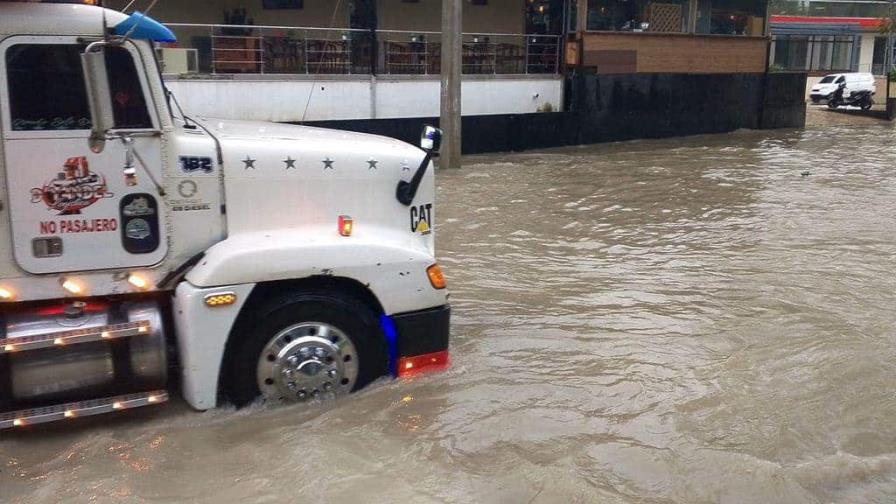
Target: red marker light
426, 363
345, 225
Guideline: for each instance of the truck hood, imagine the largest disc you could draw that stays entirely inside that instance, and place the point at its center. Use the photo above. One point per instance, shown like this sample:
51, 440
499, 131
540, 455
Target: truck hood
281, 177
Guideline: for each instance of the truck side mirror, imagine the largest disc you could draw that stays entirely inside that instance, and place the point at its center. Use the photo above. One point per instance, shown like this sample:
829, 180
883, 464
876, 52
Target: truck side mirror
430, 142
102, 117
431, 139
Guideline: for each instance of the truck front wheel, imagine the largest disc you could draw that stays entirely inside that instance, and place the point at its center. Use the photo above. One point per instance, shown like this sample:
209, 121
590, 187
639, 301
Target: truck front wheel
310, 345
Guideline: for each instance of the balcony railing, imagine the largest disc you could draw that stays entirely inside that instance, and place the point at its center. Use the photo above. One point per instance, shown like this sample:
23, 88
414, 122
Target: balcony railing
249, 49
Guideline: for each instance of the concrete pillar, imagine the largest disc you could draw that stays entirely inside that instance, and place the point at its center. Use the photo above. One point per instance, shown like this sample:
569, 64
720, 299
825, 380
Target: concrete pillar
452, 52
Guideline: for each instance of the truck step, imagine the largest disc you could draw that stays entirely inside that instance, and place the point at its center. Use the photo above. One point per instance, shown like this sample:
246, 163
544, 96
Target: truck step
80, 409
37, 341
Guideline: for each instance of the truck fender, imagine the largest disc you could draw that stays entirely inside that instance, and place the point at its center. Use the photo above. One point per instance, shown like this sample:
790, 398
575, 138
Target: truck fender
391, 264
393, 268
202, 333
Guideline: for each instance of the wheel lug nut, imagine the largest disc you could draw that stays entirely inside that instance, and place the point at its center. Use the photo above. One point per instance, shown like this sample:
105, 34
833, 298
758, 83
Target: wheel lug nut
328, 386
305, 352
316, 393
293, 360
302, 394
332, 373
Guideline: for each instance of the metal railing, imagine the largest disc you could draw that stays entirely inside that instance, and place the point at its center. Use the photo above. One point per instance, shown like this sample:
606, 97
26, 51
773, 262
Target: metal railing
418, 53
249, 49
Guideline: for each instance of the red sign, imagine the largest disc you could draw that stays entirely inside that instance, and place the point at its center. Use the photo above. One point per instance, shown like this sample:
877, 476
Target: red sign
78, 226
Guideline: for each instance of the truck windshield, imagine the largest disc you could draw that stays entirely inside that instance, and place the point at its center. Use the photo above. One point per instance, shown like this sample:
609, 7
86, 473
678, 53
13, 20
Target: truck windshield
47, 92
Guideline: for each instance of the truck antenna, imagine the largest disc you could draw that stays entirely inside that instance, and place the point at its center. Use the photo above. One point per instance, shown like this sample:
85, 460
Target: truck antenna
105, 23
128, 6
314, 80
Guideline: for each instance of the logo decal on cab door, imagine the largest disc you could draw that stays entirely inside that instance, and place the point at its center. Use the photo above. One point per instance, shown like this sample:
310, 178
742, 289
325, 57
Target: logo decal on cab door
421, 219
74, 188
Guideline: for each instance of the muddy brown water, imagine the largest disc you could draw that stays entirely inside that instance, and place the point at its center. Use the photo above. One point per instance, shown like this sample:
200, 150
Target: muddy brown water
688, 320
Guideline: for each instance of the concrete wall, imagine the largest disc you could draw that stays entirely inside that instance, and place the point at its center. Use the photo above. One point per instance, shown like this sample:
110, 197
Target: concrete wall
483, 133
866, 52
622, 107
783, 104
336, 99
629, 106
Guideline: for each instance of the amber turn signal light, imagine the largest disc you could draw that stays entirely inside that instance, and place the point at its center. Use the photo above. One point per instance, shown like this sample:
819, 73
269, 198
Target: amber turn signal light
138, 281
220, 299
436, 278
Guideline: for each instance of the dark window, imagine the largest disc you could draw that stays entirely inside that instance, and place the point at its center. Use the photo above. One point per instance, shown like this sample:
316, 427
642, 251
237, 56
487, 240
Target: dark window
824, 53
731, 17
638, 15
128, 101
282, 4
46, 88
827, 80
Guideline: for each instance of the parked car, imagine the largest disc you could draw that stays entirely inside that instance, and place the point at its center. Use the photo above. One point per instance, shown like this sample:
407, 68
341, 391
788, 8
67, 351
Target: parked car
854, 83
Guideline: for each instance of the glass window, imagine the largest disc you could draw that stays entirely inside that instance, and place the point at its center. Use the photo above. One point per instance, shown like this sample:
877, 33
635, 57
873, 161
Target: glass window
46, 87
847, 9
731, 17
815, 53
841, 53
666, 16
128, 101
791, 52
878, 60
827, 80
47, 92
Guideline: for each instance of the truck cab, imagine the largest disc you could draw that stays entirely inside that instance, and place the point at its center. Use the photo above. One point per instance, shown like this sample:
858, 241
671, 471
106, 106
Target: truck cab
256, 261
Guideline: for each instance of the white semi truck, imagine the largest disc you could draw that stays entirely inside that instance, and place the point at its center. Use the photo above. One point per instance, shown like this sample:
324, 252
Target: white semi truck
140, 247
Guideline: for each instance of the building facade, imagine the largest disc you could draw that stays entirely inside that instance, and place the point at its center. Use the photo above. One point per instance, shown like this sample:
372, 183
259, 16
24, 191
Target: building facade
312, 60
829, 36
536, 73
672, 36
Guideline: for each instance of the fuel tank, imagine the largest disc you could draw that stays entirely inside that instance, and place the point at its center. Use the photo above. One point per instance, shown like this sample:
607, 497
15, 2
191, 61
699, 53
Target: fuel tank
80, 351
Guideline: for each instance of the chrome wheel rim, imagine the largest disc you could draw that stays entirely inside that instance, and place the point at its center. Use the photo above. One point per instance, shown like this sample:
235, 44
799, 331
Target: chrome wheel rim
311, 360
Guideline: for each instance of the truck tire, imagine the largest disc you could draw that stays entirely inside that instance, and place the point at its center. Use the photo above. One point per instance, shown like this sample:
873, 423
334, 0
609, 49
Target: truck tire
305, 345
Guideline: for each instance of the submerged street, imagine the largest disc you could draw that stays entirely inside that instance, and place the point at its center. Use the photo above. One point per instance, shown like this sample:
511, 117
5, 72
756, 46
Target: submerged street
701, 319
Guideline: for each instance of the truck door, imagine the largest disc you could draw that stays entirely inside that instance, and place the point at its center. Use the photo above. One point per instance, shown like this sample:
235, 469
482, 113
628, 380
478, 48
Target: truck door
72, 209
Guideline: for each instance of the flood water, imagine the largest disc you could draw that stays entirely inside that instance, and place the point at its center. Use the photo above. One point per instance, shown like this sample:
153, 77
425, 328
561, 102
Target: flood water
686, 320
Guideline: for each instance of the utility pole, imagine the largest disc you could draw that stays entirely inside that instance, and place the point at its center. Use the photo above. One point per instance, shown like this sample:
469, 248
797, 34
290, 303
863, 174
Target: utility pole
452, 44
888, 57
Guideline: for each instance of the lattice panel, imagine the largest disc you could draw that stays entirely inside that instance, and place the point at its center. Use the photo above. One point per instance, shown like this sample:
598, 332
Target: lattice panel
664, 17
